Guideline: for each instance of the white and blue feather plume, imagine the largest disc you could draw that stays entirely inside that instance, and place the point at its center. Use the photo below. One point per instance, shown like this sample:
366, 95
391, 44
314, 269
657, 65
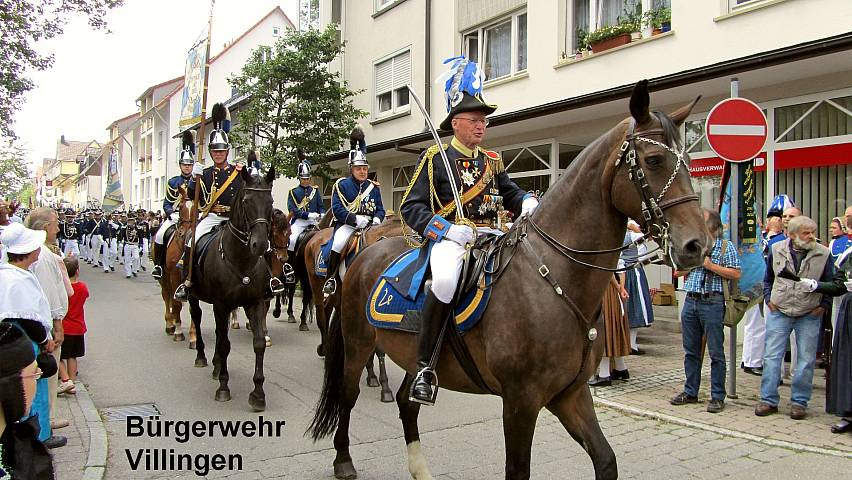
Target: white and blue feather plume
463, 76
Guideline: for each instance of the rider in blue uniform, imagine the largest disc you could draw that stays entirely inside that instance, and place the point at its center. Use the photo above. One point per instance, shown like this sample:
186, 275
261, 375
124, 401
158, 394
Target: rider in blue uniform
219, 184
304, 203
356, 203
172, 211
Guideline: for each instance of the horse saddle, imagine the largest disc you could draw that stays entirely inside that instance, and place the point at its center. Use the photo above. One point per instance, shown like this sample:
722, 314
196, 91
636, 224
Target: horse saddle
353, 246
202, 245
303, 237
169, 235
397, 298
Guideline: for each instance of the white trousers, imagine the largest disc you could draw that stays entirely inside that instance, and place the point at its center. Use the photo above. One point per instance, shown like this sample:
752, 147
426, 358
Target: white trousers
71, 248
446, 263
84, 249
143, 254
341, 237
754, 331
131, 258
161, 232
296, 229
96, 254
205, 225
113, 251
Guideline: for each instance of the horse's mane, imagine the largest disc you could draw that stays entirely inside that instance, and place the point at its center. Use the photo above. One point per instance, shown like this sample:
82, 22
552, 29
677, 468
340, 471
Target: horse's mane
325, 222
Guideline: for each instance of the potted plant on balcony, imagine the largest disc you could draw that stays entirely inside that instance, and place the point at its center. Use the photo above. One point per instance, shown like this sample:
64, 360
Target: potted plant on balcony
610, 37
659, 19
582, 43
632, 14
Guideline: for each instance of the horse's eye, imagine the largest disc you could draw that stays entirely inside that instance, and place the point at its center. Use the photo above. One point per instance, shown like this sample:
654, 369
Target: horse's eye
654, 161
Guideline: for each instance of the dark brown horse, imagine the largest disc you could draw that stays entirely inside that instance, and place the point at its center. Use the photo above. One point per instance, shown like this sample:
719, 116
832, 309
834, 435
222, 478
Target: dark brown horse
391, 227
533, 346
171, 277
233, 274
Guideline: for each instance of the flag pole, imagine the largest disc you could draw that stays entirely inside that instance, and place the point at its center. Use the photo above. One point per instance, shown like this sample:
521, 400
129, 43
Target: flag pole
201, 138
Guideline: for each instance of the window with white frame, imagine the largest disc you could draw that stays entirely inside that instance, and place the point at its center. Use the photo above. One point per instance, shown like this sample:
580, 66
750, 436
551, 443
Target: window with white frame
734, 4
309, 14
391, 80
276, 31
382, 4
586, 16
401, 179
500, 47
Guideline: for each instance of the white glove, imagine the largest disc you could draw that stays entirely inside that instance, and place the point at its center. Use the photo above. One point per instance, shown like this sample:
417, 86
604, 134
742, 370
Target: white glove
197, 169
807, 284
376, 221
528, 206
848, 285
361, 221
175, 216
461, 234
313, 216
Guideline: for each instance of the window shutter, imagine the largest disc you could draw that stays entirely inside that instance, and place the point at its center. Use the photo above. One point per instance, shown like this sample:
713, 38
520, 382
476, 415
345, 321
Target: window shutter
384, 77
402, 70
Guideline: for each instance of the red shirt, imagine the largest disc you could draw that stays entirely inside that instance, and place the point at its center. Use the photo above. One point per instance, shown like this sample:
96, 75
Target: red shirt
74, 322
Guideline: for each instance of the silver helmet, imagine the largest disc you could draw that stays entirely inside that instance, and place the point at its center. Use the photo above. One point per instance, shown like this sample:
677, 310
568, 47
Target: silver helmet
221, 126
304, 165
187, 151
357, 148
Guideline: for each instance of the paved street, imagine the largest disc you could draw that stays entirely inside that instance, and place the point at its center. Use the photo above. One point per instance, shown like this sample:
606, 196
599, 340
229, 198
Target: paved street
130, 361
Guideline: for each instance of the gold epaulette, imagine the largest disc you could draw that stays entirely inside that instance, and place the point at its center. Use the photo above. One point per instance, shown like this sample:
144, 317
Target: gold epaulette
495, 160
376, 183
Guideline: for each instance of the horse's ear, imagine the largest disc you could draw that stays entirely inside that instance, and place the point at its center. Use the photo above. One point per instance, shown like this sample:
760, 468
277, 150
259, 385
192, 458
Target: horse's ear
244, 173
270, 175
639, 102
679, 115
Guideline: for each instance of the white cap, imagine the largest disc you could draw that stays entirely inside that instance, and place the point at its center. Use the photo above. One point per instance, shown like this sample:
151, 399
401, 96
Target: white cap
20, 240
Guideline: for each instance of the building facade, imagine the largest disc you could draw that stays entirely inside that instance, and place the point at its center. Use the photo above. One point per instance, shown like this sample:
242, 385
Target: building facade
793, 58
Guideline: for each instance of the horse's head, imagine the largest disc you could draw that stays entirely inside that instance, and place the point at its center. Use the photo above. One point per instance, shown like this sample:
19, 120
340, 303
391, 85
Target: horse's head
252, 210
280, 234
651, 182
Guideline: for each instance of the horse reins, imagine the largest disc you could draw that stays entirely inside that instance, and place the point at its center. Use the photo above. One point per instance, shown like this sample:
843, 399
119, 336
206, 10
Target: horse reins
244, 236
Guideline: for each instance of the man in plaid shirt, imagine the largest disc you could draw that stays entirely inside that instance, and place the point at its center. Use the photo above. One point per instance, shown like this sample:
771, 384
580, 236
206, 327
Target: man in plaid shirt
702, 315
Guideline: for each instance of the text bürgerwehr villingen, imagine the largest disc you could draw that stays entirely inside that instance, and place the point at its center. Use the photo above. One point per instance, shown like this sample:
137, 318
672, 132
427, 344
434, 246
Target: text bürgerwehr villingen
167, 459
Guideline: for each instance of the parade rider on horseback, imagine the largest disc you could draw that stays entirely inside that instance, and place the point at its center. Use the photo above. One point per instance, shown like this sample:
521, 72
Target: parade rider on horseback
219, 183
172, 211
356, 202
304, 203
484, 188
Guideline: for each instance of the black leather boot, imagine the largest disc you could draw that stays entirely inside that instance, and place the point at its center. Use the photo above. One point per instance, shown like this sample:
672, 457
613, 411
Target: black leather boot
182, 291
432, 318
159, 260
330, 286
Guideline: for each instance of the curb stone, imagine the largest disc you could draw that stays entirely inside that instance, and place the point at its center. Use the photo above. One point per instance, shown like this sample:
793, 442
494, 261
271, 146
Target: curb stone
96, 461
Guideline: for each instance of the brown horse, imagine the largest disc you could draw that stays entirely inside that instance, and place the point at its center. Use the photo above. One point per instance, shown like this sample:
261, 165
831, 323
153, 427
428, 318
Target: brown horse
391, 227
533, 345
171, 277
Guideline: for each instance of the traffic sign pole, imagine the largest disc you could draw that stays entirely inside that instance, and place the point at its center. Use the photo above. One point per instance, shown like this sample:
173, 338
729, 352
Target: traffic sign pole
734, 181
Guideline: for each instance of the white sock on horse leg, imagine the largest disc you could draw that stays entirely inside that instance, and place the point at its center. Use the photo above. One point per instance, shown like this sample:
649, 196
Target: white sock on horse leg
417, 462
603, 369
619, 364
634, 332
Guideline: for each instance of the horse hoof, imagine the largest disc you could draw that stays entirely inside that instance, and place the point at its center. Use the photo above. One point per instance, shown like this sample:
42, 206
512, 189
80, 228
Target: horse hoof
200, 363
372, 382
179, 337
276, 313
170, 330
345, 470
192, 345
268, 341
320, 351
257, 404
304, 327
223, 396
291, 319
387, 396
235, 326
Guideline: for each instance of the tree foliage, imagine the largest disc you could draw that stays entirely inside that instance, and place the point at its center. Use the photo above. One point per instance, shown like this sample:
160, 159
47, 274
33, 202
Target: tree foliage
295, 101
22, 24
14, 173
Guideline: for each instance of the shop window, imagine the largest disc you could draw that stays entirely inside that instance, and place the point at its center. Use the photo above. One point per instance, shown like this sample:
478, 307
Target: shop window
567, 154
811, 120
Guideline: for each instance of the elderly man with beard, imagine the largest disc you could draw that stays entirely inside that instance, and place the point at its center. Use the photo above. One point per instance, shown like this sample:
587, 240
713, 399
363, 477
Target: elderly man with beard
794, 270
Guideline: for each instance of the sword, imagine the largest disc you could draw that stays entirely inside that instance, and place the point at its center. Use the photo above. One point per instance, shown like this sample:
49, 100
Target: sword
434, 131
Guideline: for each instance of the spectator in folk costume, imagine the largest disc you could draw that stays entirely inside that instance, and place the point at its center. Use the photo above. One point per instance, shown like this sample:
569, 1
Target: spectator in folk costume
23, 304
304, 203
53, 278
22, 455
795, 269
616, 333
186, 161
640, 310
702, 315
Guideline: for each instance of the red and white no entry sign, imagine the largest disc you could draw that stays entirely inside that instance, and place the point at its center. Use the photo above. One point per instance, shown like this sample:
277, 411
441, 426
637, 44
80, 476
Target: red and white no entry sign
736, 129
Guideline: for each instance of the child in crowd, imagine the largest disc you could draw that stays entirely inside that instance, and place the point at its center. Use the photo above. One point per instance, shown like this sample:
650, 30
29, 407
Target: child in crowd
74, 324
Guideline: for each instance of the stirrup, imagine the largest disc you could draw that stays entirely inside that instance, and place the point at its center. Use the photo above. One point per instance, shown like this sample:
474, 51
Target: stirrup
330, 287
276, 286
156, 272
428, 376
181, 293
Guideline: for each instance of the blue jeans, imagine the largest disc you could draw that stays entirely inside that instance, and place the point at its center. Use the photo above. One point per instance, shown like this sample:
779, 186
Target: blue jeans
778, 328
703, 317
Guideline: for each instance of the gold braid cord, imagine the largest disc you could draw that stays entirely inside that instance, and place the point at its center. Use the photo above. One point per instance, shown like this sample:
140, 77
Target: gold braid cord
352, 206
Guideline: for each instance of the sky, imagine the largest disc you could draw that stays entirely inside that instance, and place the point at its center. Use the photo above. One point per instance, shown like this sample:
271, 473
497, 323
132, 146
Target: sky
97, 76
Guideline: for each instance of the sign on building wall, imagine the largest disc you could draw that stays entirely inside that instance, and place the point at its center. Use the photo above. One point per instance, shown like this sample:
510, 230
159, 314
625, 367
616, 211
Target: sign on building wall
193, 85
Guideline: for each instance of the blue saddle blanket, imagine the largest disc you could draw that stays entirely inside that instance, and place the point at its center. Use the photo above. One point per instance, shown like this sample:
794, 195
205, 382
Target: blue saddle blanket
389, 308
321, 269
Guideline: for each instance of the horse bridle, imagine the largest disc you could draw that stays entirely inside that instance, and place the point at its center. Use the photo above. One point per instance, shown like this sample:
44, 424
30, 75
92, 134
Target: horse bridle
656, 224
244, 236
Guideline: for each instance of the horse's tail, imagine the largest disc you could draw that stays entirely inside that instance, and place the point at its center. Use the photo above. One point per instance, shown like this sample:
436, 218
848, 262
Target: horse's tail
330, 404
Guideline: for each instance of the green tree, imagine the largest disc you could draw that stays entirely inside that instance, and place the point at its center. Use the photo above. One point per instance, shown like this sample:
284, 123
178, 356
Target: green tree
14, 173
22, 24
295, 101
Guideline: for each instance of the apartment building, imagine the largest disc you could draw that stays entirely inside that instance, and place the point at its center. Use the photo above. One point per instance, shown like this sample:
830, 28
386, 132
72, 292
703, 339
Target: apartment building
792, 57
